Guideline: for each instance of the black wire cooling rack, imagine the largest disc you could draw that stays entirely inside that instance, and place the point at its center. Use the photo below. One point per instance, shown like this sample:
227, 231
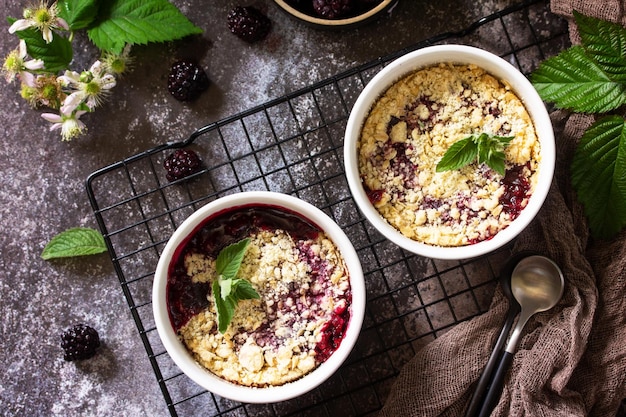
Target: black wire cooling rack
294, 145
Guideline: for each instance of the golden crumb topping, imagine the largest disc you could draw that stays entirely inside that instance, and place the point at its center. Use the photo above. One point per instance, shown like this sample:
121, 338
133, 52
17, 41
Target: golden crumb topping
408, 131
271, 340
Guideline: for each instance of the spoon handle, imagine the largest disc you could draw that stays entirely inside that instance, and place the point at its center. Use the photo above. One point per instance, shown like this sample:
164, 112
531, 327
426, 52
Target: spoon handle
485, 378
495, 390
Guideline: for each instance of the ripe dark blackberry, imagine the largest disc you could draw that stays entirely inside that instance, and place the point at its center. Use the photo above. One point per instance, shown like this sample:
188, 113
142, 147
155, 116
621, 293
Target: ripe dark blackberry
79, 342
187, 80
332, 9
248, 23
181, 163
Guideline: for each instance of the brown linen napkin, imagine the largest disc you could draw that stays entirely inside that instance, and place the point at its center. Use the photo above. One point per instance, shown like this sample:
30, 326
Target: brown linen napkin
571, 360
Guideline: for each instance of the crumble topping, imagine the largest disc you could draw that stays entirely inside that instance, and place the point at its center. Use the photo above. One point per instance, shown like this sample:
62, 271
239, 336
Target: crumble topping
304, 288
408, 131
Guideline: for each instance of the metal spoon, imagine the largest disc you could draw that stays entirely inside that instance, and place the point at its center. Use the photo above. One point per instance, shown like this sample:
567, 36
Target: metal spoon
485, 378
537, 285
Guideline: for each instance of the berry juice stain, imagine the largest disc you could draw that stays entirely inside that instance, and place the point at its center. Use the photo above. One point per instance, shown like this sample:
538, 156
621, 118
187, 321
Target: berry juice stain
516, 191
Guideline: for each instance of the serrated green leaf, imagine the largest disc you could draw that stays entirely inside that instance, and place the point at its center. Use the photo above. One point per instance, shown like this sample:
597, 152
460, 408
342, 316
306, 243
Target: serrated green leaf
605, 43
573, 81
484, 149
226, 286
78, 241
225, 308
228, 290
599, 175
138, 22
78, 14
56, 55
491, 151
460, 154
243, 290
229, 259
487, 148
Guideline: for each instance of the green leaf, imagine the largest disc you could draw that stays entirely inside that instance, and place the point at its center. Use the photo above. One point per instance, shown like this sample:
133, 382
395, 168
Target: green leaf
56, 55
228, 290
460, 154
487, 147
78, 14
78, 241
491, 151
229, 259
243, 290
225, 308
605, 43
572, 80
138, 22
599, 175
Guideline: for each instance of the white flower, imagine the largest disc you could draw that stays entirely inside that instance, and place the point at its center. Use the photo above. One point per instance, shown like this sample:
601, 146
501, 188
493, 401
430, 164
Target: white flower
89, 87
15, 65
70, 124
42, 18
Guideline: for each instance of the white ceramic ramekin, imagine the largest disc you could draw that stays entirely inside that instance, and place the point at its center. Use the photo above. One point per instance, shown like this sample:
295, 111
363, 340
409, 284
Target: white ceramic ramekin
457, 54
210, 381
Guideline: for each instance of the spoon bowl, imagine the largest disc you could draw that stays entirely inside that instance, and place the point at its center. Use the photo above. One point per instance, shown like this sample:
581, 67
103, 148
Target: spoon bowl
537, 283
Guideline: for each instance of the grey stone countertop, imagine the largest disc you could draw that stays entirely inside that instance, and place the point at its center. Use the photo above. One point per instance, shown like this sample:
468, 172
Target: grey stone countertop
42, 186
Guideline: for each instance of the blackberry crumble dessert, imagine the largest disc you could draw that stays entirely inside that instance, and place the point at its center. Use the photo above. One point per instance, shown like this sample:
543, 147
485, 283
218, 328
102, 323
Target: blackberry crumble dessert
408, 131
305, 299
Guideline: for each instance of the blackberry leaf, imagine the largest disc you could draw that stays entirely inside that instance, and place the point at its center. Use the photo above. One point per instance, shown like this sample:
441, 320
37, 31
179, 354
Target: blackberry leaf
599, 175
605, 42
572, 80
138, 22
78, 14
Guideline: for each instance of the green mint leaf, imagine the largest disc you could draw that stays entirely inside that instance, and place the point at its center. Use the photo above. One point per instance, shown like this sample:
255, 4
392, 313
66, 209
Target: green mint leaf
229, 259
226, 287
487, 148
228, 290
599, 175
76, 241
460, 154
243, 290
78, 14
225, 308
605, 43
572, 80
138, 22
56, 55
491, 151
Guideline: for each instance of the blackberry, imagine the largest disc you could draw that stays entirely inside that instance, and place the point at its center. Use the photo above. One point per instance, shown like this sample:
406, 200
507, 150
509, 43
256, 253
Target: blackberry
187, 80
332, 9
181, 163
248, 23
79, 342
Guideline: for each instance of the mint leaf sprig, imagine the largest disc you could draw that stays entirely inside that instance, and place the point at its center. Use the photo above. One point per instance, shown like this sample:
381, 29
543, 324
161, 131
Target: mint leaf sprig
41, 61
486, 148
591, 78
227, 289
